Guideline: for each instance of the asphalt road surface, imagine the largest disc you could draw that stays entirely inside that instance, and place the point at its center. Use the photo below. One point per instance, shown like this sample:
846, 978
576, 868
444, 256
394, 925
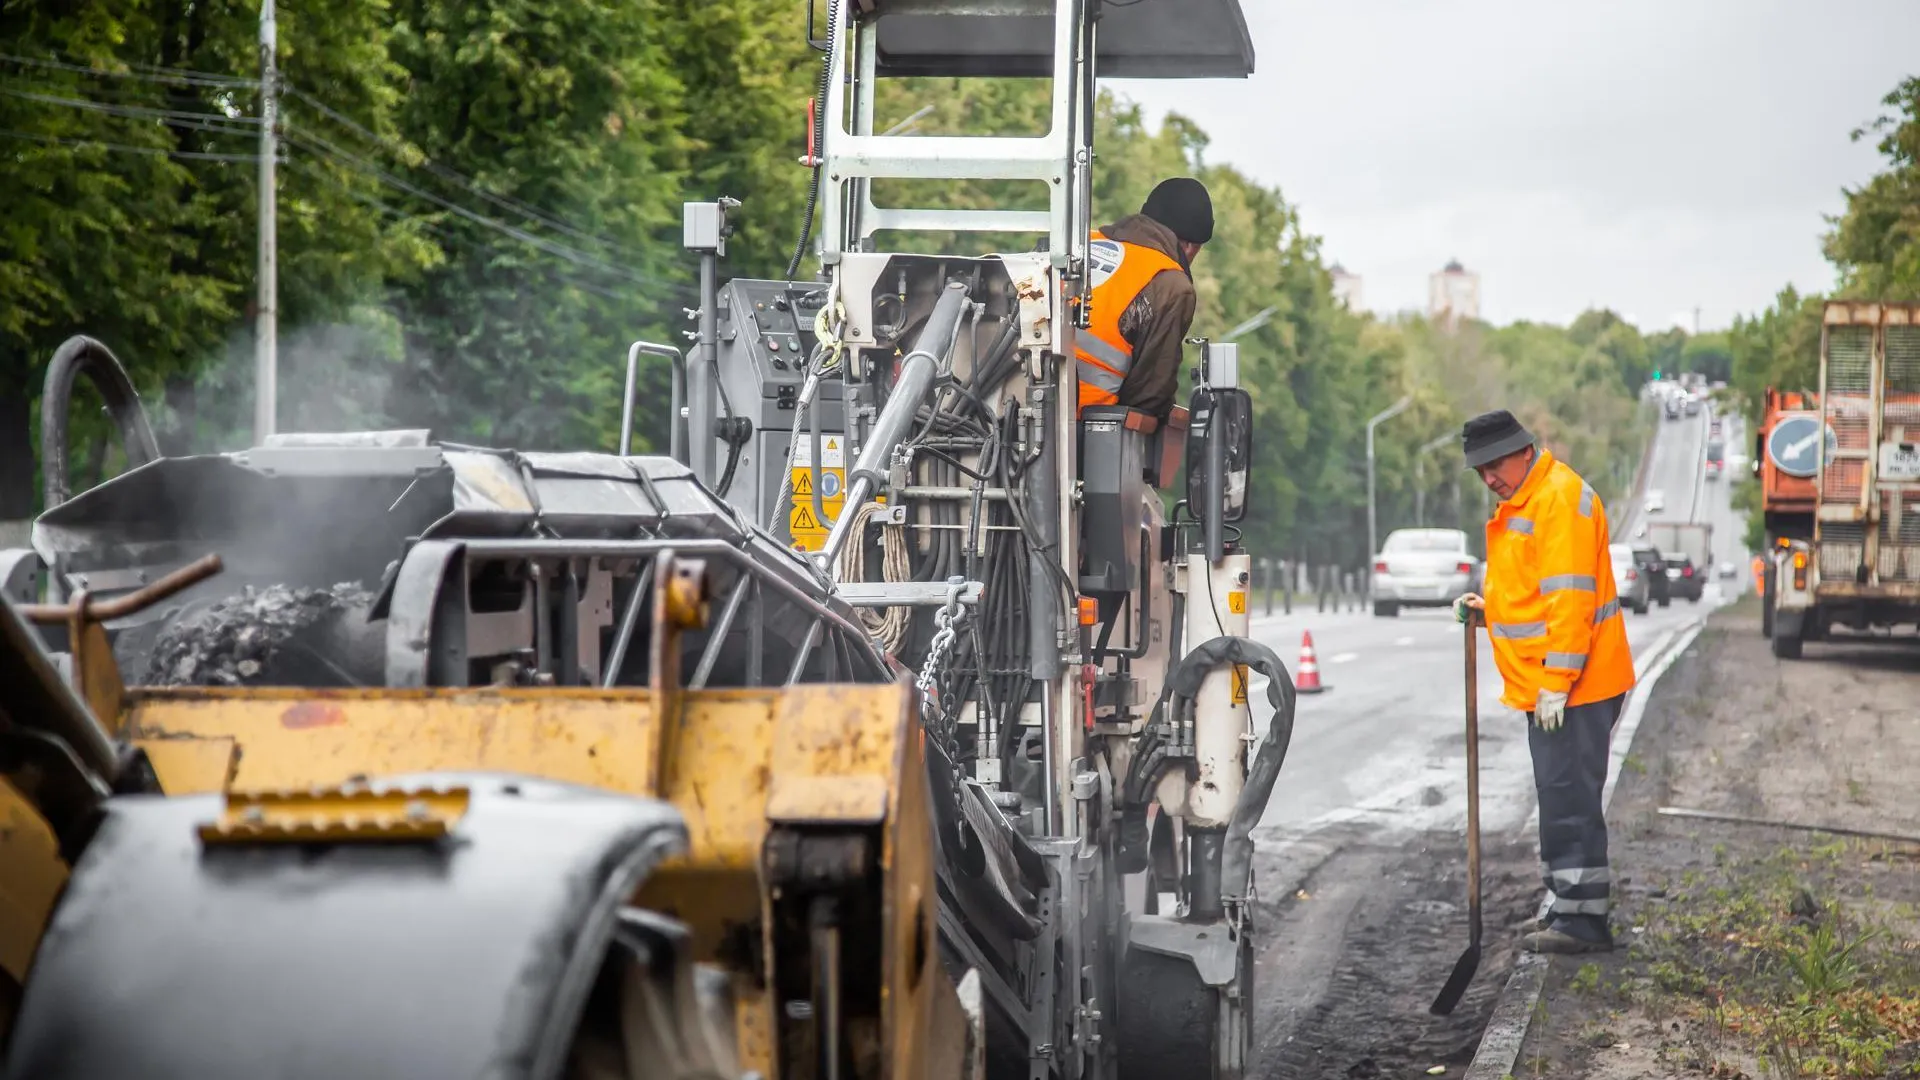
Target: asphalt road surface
1360, 865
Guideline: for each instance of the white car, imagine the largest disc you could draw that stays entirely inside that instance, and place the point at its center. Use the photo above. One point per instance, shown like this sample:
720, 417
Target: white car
1422, 568
1656, 501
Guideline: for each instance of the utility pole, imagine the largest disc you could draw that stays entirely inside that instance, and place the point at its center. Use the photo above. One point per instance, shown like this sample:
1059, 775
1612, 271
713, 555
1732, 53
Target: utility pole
1420, 477
1373, 542
266, 323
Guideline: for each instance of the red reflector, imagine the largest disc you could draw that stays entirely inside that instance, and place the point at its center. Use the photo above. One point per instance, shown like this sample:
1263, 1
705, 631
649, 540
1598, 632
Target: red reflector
1379, 568
1686, 572
1633, 575
1464, 568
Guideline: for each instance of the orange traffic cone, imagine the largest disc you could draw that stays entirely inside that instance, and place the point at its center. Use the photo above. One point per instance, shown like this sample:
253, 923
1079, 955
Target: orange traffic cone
1306, 679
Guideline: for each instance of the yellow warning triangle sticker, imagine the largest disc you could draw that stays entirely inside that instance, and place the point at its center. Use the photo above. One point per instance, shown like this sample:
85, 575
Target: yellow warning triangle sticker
802, 482
833, 444
803, 519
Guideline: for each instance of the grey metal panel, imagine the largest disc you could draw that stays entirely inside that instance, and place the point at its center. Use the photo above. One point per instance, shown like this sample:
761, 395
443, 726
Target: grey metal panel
465, 959
1151, 39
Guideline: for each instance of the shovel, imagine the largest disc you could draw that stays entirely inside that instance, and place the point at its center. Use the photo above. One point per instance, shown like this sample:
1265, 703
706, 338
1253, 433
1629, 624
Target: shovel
1469, 962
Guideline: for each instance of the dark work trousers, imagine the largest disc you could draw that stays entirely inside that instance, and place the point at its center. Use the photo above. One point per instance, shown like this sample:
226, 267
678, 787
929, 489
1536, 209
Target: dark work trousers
1569, 772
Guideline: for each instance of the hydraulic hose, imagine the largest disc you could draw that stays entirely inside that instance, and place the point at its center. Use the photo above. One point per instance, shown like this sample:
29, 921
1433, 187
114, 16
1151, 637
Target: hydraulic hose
817, 133
1176, 703
82, 355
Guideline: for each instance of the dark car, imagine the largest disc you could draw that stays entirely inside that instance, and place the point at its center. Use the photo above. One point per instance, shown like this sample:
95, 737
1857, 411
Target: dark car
1682, 578
1653, 567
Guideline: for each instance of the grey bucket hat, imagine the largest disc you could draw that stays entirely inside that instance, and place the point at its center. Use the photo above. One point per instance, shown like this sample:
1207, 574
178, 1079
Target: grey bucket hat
1491, 436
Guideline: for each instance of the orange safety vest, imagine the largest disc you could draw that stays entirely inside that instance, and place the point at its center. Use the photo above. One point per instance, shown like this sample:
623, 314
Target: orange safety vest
1552, 612
1119, 271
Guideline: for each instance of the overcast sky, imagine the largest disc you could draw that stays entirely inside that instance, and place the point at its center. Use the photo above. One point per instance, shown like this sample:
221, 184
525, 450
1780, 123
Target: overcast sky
1639, 155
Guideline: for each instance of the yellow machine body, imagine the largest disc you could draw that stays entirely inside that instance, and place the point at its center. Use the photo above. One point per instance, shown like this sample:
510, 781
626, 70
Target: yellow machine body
736, 764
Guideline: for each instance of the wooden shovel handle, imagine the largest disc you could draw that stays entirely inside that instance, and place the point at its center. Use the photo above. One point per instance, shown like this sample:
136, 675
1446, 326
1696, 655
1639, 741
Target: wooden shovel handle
1473, 771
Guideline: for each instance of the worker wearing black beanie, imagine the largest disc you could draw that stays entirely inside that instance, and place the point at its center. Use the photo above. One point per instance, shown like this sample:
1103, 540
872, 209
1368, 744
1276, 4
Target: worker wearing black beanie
1182, 204
1143, 301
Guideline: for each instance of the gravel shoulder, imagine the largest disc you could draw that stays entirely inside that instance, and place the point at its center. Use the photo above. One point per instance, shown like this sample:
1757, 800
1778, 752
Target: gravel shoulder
1753, 951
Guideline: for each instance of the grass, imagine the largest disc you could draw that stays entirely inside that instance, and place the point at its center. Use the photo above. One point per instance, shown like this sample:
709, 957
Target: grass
1785, 956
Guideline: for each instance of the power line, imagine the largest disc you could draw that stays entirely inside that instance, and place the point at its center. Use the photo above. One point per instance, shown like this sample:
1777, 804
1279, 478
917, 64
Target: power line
140, 73
411, 218
97, 144
211, 122
452, 176
330, 149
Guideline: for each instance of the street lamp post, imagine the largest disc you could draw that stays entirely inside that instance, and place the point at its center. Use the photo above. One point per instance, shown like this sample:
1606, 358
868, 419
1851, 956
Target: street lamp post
1398, 407
1420, 477
1251, 325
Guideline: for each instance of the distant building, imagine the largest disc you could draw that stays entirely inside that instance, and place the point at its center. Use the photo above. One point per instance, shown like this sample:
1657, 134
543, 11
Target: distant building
1346, 288
1453, 294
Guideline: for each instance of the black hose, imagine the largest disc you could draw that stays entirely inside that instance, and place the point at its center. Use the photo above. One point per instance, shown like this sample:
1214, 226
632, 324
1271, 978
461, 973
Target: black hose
820, 136
76, 356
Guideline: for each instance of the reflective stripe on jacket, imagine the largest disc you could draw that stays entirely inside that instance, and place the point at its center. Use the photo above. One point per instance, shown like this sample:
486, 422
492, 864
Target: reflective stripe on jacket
1552, 612
1120, 271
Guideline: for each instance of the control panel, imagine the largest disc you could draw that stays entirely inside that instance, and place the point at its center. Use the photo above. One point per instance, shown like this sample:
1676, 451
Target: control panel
766, 341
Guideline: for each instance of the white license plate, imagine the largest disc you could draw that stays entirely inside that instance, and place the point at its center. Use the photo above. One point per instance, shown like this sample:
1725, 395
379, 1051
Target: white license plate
1900, 461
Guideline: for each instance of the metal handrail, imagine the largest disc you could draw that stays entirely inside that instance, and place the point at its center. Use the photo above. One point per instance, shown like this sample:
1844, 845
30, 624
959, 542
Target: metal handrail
761, 574
676, 423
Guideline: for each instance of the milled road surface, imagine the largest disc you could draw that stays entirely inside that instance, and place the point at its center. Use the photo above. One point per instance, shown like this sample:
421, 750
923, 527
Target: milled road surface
1361, 865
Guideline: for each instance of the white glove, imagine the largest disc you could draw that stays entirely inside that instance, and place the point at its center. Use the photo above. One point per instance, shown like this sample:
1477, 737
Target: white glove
1550, 710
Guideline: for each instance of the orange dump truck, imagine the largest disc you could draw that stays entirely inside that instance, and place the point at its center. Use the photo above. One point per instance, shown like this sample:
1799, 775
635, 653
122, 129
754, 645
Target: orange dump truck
1840, 476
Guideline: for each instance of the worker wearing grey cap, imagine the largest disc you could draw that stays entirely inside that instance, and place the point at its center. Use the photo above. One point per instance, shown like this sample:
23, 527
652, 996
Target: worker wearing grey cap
1561, 646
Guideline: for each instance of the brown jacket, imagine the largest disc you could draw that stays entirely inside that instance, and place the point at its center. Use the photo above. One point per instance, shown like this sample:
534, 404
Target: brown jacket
1156, 322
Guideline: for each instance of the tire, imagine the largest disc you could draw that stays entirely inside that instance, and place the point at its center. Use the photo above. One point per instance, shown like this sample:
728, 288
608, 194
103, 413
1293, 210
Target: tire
1766, 601
1666, 601
1786, 646
1383, 610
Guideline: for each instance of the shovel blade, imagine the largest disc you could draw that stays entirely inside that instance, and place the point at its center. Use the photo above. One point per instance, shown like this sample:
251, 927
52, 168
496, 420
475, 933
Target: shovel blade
1456, 988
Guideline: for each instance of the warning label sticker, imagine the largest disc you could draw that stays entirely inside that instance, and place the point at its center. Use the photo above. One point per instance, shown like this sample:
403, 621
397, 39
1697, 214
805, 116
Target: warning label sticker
833, 486
801, 519
833, 452
1239, 684
1237, 602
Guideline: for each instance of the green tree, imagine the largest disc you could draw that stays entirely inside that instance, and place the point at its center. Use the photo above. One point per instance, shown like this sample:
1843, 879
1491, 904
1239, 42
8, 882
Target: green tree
1876, 242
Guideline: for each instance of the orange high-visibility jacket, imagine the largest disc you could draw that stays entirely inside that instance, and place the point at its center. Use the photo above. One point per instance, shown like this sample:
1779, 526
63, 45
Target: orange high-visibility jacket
1552, 612
1119, 271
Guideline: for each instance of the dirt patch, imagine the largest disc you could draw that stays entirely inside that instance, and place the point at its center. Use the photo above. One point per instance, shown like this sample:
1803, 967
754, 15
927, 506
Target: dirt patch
1756, 951
1351, 960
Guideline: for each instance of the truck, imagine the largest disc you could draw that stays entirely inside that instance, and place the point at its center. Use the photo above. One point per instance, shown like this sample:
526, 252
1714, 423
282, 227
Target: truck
1844, 541
1784, 463
1684, 538
889, 724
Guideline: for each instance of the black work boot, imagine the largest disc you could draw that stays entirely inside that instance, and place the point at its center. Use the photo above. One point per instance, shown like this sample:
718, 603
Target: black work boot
1571, 934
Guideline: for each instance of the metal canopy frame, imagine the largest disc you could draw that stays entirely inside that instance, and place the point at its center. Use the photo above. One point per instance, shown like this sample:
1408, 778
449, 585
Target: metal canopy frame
1148, 39
1067, 41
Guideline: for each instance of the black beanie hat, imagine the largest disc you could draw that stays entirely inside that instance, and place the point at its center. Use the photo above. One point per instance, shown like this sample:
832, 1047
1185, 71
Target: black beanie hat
1181, 203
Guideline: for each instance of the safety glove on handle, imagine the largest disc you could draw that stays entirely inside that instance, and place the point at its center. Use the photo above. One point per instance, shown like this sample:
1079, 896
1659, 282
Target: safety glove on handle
1465, 605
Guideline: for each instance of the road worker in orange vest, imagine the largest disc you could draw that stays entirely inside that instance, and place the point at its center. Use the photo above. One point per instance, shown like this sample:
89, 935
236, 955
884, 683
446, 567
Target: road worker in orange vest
1560, 643
1143, 299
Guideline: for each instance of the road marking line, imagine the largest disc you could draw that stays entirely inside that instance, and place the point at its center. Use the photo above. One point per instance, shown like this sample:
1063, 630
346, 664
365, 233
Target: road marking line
1403, 641
1344, 658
